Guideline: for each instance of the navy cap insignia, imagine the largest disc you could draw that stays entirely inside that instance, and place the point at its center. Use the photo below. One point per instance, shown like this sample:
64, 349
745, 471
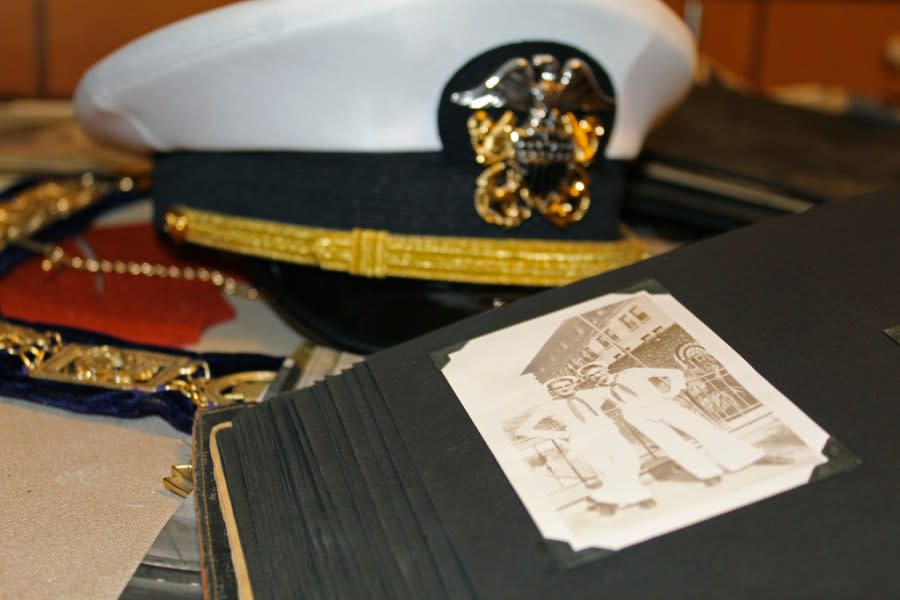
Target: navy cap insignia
539, 163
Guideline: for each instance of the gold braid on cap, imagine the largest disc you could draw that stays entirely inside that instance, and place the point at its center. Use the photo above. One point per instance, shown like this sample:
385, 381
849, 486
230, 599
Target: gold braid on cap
378, 253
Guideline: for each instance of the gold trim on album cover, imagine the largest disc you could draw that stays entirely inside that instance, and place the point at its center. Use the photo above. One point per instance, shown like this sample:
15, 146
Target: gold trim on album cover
245, 590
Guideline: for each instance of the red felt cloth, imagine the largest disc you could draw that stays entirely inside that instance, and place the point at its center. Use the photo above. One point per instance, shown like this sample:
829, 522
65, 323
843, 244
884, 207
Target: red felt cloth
155, 310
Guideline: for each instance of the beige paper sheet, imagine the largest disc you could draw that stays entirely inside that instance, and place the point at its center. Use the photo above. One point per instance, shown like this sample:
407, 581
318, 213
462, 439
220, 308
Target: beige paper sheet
81, 500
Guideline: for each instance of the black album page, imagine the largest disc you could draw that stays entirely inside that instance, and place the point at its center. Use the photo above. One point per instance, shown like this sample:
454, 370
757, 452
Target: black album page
649, 432
788, 313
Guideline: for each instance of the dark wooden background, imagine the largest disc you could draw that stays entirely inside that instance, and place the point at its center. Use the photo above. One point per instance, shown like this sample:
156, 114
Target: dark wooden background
46, 45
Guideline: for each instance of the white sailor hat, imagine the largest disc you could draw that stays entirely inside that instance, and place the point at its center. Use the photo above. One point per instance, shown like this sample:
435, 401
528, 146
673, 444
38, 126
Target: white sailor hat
465, 142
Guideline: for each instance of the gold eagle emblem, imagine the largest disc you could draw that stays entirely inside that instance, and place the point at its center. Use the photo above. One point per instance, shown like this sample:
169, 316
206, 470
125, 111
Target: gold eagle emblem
541, 163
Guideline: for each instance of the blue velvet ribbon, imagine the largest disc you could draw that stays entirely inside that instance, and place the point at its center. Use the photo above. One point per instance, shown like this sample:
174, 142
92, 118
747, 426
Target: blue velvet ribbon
172, 406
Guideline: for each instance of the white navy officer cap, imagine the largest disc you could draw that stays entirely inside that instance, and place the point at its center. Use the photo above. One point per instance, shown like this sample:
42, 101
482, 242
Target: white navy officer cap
472, 142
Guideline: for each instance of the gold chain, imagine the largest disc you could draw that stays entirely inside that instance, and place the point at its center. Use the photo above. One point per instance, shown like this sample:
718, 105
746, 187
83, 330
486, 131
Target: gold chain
44, 204
55, 256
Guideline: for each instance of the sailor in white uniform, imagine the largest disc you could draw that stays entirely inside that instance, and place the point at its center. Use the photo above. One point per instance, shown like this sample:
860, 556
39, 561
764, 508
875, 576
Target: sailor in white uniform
594, 437
655, 414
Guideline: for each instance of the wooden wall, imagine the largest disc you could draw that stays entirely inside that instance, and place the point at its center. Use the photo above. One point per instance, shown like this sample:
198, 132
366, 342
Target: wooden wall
46, 45
848, 43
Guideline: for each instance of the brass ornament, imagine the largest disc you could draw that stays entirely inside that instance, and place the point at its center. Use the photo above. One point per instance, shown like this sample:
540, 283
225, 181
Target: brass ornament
541, 163
46, 356
181, 480
44, 204
238, 388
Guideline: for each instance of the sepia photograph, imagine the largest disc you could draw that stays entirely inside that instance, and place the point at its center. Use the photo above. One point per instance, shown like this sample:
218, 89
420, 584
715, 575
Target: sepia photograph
625, 417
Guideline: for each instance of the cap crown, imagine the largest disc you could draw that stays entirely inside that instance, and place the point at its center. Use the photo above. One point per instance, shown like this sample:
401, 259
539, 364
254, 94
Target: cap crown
362, 75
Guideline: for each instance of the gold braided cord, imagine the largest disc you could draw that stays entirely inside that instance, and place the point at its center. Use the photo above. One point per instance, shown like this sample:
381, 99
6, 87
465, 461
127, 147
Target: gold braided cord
375, 253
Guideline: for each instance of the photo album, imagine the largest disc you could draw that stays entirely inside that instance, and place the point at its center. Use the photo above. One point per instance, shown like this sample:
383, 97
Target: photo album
669, 427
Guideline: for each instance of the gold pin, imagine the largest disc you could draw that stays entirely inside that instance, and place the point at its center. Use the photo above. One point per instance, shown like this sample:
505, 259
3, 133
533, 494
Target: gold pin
181, 481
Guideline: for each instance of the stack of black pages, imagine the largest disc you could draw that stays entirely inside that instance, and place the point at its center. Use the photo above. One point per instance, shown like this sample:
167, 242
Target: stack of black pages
645, 433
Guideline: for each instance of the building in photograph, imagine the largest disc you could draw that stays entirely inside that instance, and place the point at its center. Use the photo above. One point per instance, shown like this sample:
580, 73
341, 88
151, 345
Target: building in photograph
608, 334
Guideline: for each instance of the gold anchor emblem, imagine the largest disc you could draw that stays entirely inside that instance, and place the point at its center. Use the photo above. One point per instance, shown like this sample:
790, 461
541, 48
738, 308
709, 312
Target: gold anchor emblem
539, 164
